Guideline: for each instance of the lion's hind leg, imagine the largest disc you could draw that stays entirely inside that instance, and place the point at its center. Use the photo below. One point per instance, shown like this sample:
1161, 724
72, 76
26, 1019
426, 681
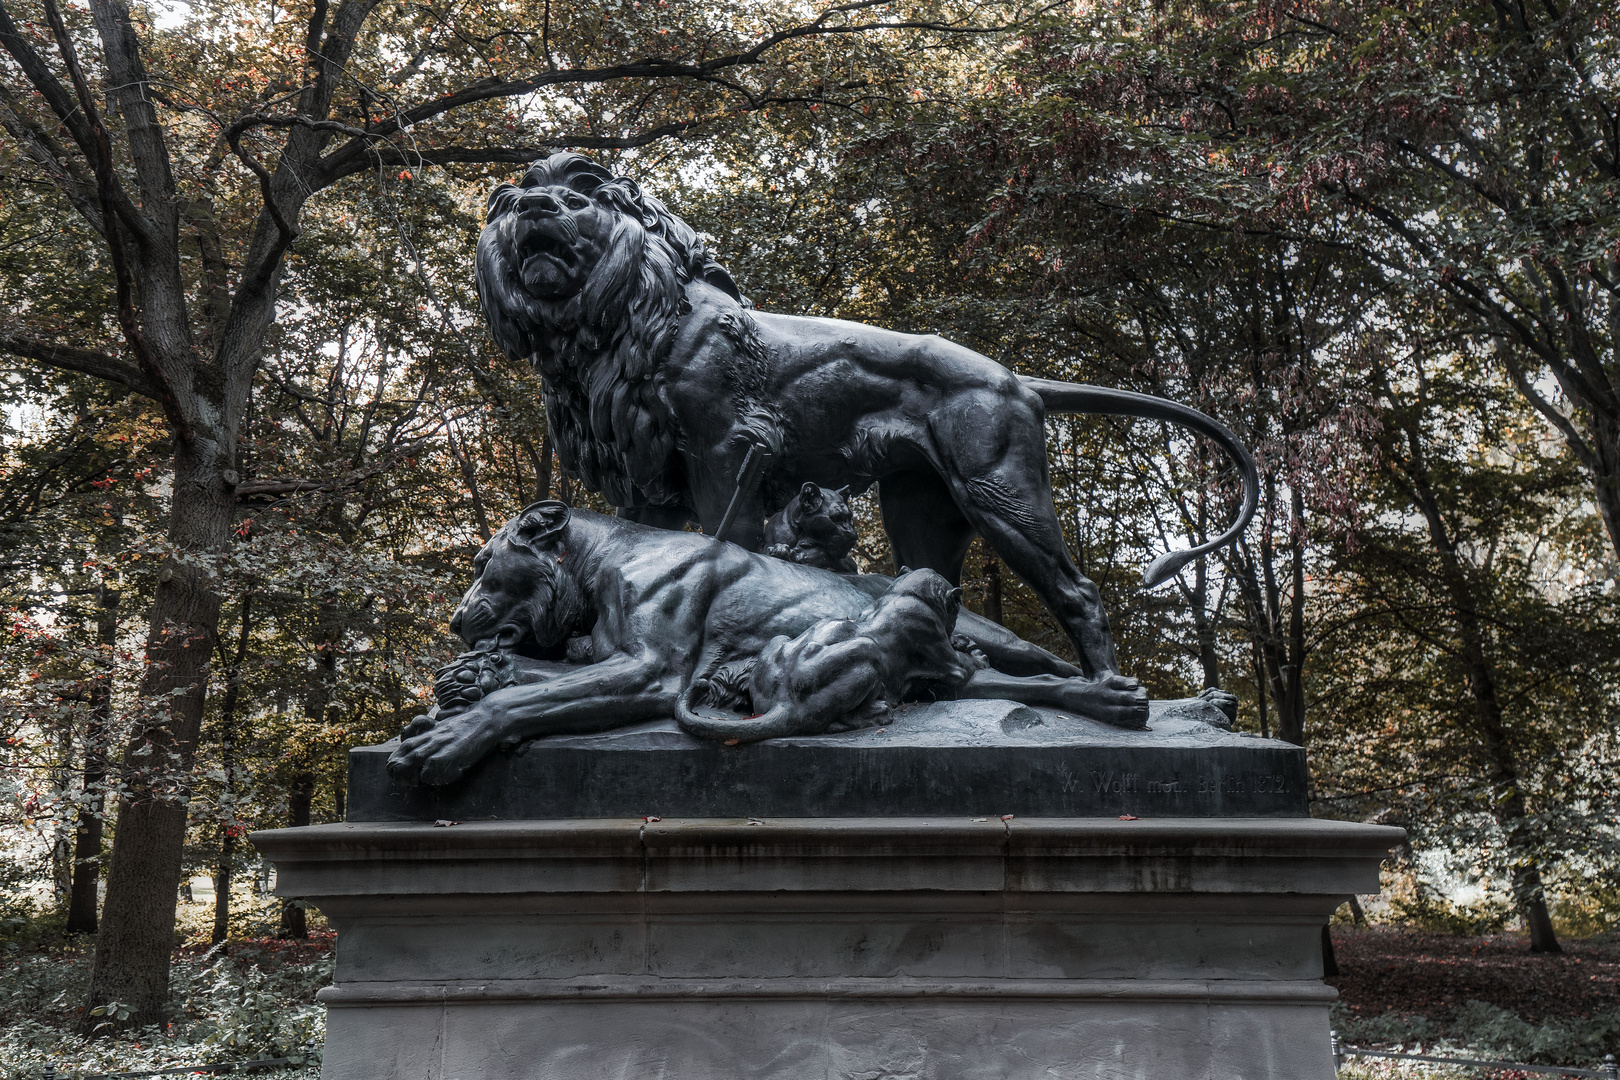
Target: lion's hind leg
994, 454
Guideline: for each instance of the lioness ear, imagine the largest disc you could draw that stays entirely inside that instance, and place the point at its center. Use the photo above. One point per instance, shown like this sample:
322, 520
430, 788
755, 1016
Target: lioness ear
809, 495
541, 521
843, 492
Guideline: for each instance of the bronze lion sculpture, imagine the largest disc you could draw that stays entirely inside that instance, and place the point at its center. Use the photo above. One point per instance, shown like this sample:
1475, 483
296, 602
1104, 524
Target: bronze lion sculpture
666, 391
646, 612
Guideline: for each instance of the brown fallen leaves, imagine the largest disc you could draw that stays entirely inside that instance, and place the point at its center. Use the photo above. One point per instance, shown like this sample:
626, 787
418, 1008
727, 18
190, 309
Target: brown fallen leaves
1409, 971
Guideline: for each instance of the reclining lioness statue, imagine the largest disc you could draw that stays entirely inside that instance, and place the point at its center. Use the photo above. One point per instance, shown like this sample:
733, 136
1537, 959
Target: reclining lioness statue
674, 398
643, 613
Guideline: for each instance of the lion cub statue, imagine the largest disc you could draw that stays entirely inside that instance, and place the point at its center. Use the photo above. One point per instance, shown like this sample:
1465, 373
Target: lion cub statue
816, 528
841, 674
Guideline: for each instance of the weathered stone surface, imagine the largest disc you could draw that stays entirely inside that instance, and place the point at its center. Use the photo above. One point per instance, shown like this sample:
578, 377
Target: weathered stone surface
928, 949
955, 757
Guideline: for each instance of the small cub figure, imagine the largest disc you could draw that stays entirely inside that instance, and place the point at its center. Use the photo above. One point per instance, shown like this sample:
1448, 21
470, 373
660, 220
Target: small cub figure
816, 529
846, 673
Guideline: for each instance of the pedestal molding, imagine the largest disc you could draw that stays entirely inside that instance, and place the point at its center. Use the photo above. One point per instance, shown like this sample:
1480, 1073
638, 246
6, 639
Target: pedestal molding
1222, 991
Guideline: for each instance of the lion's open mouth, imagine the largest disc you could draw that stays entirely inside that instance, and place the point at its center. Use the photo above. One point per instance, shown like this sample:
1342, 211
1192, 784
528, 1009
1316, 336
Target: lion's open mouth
545, 250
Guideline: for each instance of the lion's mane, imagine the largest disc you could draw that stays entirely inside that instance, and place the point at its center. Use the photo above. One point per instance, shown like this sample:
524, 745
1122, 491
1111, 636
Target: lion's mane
597, 350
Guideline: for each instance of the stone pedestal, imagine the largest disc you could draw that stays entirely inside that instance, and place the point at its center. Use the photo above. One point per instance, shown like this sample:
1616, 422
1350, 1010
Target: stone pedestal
790, 949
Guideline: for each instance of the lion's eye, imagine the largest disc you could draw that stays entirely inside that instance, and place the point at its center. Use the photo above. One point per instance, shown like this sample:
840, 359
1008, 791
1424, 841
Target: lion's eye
573, 201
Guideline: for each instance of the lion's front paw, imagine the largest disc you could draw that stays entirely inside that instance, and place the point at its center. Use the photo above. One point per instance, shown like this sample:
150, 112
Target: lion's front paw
444, 752
470, 676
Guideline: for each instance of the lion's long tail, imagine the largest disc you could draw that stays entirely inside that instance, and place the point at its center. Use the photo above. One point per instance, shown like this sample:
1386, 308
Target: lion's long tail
775, 723
1066, 397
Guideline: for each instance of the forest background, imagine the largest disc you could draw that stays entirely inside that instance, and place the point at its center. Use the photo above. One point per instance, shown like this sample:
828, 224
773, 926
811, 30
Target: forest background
254, 430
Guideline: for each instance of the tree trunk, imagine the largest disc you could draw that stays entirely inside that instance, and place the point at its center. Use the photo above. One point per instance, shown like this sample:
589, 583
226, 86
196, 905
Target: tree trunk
1605, 442
1330, 962
222, 887
227, 762
294, 924
542, 477
131, 964
301, 788
1532, 898
82, 897
1260, 691
1204, 626
1291, 703
992, 587
1508, 805
1279, 654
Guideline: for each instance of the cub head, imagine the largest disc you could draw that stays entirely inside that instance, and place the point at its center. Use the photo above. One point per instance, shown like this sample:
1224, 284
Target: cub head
817, 527
927, 588
523, 592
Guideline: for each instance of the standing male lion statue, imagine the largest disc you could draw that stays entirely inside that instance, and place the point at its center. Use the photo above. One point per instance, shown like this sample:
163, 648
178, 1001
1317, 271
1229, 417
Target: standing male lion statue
662, 383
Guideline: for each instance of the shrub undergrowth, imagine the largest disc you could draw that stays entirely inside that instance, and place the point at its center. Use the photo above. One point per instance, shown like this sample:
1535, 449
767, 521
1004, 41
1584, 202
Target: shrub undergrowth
248, 1000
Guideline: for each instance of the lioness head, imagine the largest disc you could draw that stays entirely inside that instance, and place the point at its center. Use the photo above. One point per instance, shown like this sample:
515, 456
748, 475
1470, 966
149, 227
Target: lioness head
522, 595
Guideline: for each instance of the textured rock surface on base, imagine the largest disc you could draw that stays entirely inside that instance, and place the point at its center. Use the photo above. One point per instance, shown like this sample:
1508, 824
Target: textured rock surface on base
962, 758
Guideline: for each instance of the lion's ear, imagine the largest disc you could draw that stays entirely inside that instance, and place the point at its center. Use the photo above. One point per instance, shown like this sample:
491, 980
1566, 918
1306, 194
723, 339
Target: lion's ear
809, 496
541, 521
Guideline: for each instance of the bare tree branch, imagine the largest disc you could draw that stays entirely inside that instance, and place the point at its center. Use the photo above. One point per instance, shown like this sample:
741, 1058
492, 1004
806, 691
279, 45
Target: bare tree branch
50, 155
343, 160
72, 358
46, 84
102, 160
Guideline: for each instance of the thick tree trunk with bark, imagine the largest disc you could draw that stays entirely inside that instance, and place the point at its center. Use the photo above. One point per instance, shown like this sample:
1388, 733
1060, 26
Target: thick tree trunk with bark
83, 900
137, 921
